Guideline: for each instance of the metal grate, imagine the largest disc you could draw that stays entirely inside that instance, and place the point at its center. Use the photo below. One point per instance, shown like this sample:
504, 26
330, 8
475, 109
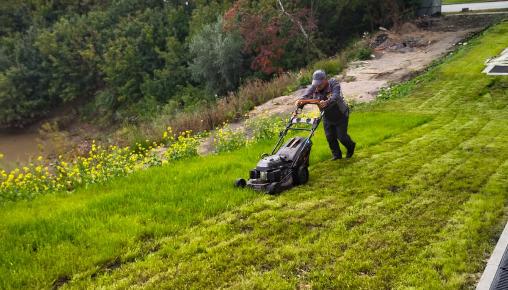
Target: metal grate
499, 69
498, 65
501, 279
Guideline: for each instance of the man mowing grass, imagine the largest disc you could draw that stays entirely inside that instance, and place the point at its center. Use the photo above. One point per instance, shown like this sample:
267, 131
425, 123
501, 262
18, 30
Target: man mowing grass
336, 112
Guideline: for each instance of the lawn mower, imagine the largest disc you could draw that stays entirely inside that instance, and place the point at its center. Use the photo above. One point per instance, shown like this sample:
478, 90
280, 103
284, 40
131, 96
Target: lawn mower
288, 164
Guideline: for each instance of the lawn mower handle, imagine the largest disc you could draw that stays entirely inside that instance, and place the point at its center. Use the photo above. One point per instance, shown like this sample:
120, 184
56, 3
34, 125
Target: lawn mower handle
303, 102
290, 122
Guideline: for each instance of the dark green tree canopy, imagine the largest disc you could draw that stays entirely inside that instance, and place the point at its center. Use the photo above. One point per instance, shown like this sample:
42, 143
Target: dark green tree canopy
127, 59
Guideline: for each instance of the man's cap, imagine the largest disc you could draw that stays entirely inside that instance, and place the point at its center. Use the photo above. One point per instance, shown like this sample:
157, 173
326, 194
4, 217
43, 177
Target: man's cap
318, 77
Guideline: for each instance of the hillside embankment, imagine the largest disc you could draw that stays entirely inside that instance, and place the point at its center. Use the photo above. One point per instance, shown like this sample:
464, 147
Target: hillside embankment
419, 206
398, 56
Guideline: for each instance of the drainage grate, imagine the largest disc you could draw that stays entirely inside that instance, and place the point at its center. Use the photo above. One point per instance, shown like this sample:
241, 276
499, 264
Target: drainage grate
498, 65
498, 69
495, 275
501, 279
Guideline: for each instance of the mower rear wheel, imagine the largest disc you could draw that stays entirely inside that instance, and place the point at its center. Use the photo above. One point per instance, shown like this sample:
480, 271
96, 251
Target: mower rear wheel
273, 188
302, 175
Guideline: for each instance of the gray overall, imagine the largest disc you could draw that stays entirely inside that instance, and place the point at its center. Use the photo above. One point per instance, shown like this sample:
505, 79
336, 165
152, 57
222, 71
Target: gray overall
336, 116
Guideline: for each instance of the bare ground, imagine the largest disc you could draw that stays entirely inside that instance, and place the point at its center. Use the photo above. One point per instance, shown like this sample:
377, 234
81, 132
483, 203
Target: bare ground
362, 80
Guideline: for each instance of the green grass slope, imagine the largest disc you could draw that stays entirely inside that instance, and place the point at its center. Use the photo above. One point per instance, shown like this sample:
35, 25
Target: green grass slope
53, 238
420, 205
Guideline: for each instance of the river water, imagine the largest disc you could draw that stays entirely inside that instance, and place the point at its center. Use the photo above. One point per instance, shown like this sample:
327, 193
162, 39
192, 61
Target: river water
18, 148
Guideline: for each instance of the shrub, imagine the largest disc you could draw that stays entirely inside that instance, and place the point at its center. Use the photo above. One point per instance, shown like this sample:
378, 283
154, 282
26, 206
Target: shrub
332, 66
358, 50
217, 58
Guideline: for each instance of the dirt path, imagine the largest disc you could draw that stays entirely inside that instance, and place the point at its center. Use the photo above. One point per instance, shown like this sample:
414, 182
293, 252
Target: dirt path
393, 67
362, 80
397, 58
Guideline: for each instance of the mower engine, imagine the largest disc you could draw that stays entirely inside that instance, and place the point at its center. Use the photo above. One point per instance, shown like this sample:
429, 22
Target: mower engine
286, 168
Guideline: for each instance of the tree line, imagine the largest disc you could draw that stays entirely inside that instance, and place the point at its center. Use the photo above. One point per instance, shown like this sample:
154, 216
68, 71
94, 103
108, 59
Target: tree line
128, 60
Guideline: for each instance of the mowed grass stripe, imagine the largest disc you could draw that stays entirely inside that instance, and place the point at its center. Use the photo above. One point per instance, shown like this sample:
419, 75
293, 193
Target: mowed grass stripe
457, 246
401, 162
415, 205
348, 227
438, 169
437, 153
359, 215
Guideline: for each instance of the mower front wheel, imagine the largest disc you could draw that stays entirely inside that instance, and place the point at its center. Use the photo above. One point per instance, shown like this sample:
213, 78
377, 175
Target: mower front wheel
240, 182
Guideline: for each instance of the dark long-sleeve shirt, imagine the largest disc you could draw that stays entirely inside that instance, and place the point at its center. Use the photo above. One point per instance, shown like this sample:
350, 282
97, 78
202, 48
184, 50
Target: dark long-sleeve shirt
337, 108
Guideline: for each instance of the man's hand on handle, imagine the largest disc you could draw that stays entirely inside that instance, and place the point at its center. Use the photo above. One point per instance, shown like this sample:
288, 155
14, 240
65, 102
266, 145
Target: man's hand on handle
323, 104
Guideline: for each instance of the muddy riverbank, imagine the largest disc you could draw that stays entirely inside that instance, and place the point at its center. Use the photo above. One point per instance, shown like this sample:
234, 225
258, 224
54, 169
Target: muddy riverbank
19, 147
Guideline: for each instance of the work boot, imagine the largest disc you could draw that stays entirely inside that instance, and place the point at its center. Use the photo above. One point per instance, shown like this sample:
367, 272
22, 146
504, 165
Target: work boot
336, 157
351, 151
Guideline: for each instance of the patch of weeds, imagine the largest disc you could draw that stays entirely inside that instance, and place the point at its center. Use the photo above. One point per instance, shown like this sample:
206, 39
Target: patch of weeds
227, 139
358, 50
332, 66
402, 89
264, 128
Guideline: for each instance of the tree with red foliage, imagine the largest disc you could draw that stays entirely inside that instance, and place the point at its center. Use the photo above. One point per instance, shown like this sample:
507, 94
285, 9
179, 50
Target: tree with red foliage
267, 31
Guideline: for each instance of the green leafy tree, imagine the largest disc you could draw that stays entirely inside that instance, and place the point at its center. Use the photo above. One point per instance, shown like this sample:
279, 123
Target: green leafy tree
69, 51
23, 81
205, 12
170, 78
217, 58
15, 16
